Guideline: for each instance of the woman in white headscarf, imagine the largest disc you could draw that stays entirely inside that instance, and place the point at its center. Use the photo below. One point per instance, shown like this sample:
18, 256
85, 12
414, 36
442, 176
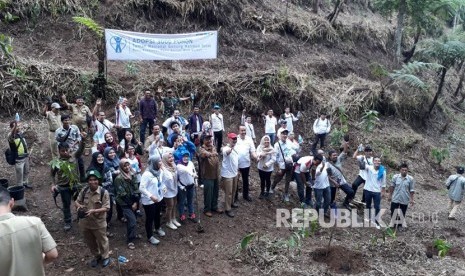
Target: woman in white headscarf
266, 159
169, 179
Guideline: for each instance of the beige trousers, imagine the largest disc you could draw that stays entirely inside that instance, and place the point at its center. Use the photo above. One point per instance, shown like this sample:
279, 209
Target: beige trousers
229, 186
453, 206
97, 241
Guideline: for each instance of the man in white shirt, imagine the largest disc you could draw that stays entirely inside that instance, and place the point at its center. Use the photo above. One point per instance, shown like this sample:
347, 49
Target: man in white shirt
217, 124
250, 130
303, 178
375, 185
101, 125
175, 118
123, 116
229, 168
245, 148
290, 119
321, 127
270, 125
365, 154
283, 124
321, 187
284, 152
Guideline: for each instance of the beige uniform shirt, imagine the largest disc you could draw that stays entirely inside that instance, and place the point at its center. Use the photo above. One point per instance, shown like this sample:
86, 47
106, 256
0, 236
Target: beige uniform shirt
22, 241
91, 200
79, 114
54, 121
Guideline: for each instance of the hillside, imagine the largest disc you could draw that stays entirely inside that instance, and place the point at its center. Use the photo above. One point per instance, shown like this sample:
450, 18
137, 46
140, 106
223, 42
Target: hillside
272, 54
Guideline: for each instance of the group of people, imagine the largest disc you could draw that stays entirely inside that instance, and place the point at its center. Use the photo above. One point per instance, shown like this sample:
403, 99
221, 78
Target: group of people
184, 154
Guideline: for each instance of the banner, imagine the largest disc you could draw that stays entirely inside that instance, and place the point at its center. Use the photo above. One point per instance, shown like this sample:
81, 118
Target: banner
124, 45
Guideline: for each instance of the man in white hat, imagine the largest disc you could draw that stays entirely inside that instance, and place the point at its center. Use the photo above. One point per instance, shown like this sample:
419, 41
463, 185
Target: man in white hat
54, 122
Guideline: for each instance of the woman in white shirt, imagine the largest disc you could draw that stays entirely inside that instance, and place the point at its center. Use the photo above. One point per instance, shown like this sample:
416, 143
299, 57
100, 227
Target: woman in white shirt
169, 179
152, 190
266, 159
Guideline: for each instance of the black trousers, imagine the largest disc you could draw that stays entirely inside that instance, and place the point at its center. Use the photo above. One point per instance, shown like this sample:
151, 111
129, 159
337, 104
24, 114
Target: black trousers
245, 182
218, 136
265, 181
346, 189
152, 216
403, 209
321, 139
357, 182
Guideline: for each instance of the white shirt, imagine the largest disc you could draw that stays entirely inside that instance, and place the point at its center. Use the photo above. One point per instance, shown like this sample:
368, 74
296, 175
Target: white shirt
135, 166
290, 118
170, 182
186, 174
217, 122
270, 124
249, 130
321, 177
230, 163
372, 183
244, 148
302, 162
321, 126
269, 159
122, 117
150, 185
368, 161
281, 129
181, 121
101, 130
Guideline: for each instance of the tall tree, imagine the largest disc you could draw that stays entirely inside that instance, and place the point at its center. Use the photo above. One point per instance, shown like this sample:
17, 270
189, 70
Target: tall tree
400, 27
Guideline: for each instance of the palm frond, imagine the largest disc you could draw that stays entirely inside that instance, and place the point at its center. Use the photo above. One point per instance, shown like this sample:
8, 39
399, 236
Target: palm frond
90, 24
409, 79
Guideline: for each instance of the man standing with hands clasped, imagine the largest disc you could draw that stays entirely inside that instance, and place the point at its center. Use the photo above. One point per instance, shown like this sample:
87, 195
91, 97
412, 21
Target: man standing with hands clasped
401, 194
245, 148
229, 176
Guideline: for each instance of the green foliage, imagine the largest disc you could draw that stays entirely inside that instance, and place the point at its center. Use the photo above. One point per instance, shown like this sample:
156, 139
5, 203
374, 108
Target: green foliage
409, 71
68, 169
90, 24
442, 246
5, 46
439, 155
370, 120
378, 70
131, 68
343, 119
283, 74
336, 137
446, 51
246, 240
314, 226
17, 72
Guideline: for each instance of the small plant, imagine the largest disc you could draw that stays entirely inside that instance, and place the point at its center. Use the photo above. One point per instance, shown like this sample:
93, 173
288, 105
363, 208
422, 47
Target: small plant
283, 74
131, 68
378, 70
439, 155
246, 240
5, 45
17, 72
336, 137
90, 24
370, 120
343, 119
442, 246
68, 170
314, 227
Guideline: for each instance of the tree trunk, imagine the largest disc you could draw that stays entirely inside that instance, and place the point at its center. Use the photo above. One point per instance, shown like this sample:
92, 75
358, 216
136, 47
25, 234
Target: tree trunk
399, 29
316, 5
100, 82
441, 84
409, 54
460, 85
332, 16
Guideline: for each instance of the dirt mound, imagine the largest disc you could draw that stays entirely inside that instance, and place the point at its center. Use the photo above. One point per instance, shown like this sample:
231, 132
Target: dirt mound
341, 260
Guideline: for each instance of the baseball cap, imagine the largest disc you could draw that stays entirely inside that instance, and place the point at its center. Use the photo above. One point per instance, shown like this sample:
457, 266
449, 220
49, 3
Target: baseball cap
94, 173
283, 122
216, 106
285, 132
232, 135
56, 105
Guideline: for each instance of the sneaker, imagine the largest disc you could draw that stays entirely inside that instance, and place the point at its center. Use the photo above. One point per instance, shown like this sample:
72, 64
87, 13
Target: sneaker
94, 262
153, 240
234, 205
293, 183
67, 226
286, 198
171, 226
106, 262
271, 191
229, 214
175, 222
193, 218
182, 218
262, 195
347, 206
160, 232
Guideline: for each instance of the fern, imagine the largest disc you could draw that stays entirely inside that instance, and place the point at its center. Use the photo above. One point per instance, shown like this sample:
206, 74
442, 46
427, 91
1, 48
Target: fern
90, 24
408, 73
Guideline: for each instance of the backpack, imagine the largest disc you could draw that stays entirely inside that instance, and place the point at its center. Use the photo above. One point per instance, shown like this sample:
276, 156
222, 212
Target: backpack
11, 153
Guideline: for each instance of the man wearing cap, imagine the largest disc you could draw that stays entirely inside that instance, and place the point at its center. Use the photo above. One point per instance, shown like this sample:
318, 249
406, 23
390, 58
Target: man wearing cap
147, 114
25, 243
321, 127
81, 117
54, 122
270, 125
93, 202
401, 195
456, 186
245, 149
365, 154
284, 152
283, 126
209, 171
170, 102
229, 177
217, 124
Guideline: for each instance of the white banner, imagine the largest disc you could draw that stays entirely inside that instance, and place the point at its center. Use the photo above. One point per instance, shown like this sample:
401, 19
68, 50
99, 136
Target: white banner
124, 45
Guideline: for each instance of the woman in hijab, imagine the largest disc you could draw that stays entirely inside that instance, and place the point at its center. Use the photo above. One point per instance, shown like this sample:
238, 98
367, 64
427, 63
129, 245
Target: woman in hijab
152, 190
266, 159
110, 172
109, 142
97, 162
169, 179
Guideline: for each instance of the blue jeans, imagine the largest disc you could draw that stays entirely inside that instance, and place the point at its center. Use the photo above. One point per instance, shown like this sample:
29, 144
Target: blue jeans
131, 224
187, 194
143, 127
272, 137
303, 190
372, 197
322, 196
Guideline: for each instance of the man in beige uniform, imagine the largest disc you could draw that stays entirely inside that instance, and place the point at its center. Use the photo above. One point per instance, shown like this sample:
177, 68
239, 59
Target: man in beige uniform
79, 112
25, 243
54, 122
93, 203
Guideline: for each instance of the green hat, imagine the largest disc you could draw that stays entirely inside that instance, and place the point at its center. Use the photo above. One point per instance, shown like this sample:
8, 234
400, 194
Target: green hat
94, 173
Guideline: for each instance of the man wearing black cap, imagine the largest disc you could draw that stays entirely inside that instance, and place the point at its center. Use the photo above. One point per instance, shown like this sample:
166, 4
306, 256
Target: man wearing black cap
366, 155
283, 124
170, 102
93, 202
456, 186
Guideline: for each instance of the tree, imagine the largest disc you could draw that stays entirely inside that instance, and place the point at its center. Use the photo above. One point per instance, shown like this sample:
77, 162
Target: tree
400, 26
315, 6
99, 83
445, 51
337, 8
